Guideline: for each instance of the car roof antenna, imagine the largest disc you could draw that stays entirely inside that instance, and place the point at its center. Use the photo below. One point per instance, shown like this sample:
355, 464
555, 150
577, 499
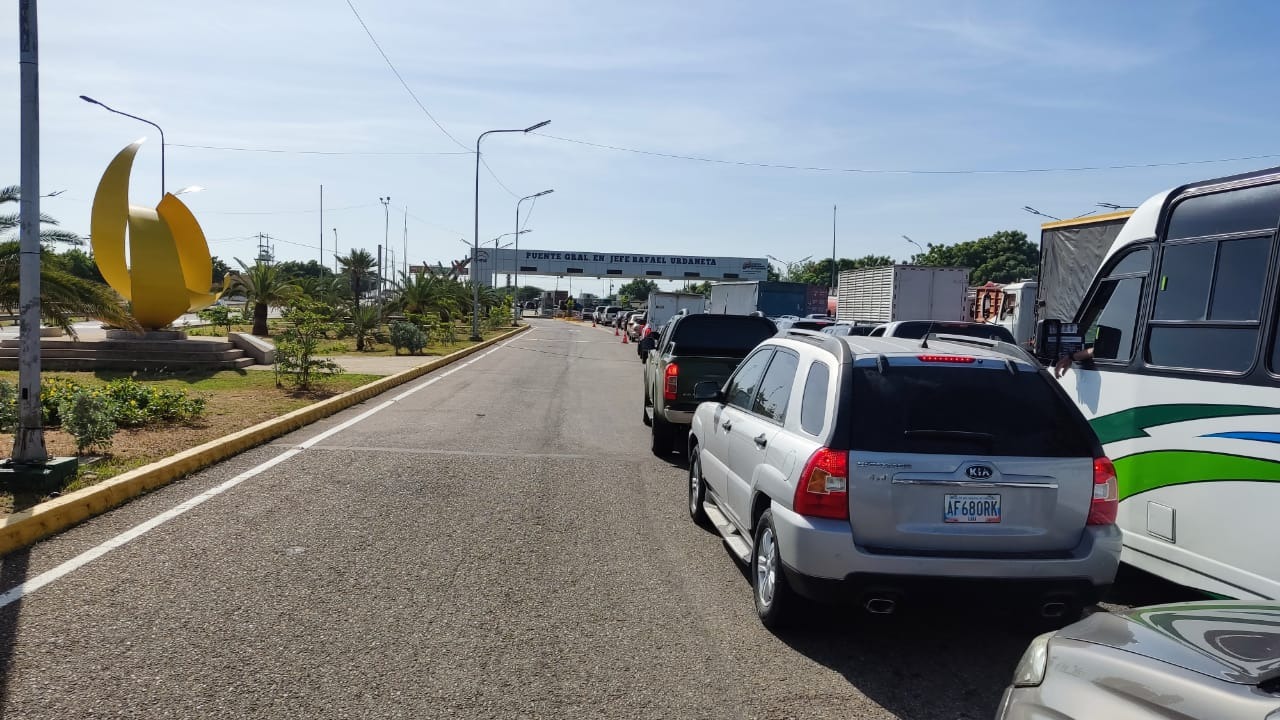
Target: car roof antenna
924, 341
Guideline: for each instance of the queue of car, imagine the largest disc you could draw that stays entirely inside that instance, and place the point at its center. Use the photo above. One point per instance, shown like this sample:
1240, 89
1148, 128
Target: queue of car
853, 464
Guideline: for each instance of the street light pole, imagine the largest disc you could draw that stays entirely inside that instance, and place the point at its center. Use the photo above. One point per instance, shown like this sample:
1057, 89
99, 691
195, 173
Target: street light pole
335, 251
386, 242
88, 99
519, 305
475, 249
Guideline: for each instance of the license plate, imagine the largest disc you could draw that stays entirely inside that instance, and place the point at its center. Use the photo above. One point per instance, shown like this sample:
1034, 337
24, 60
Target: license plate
971, 508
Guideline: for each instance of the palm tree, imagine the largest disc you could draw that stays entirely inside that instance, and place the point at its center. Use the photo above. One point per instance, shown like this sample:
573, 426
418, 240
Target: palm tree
424, 294
264, 285
358, 265
63, 295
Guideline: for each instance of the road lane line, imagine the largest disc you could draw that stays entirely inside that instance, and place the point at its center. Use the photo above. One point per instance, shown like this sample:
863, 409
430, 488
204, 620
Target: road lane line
31, 585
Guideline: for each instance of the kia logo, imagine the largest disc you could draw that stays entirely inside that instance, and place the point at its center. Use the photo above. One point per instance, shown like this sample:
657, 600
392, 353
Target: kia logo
979, 472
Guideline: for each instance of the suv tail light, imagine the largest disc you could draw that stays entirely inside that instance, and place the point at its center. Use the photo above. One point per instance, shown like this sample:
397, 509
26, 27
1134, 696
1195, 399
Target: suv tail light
669, 385
1106, 494
823, 487
958, 359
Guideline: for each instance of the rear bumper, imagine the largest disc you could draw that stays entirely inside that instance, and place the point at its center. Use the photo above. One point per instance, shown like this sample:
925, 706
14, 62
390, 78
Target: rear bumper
678, 417
821, 555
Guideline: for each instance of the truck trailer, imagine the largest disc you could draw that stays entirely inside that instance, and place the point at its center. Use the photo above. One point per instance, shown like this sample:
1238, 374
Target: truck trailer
902, 292
773, 299
664, 305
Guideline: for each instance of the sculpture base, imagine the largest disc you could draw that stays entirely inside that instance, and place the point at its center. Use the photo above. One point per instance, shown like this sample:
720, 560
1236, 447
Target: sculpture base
148, 335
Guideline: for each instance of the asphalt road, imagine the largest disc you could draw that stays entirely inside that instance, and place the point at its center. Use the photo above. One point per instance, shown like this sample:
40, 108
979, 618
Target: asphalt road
497, 544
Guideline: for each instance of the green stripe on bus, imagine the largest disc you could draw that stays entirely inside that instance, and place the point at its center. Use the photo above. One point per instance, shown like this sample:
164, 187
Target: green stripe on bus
1133, 423
1162, 468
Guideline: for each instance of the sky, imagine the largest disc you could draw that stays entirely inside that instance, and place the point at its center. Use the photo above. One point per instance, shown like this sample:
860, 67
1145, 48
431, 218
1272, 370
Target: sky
858, 87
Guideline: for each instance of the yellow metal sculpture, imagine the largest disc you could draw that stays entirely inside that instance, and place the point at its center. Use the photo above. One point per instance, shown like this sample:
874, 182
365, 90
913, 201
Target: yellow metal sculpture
169, 271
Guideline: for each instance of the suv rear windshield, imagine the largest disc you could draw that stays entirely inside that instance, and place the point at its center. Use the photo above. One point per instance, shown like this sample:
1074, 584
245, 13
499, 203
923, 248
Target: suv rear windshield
964, 410
721, 335
917, 330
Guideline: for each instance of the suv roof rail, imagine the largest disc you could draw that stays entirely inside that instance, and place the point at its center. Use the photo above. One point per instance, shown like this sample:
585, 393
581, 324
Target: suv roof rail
999, 346
829, 342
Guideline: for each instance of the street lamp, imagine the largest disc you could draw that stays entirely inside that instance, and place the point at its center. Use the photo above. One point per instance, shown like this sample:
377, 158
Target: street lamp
519, 305
1034, 211
475, 288
88, 99
913, 242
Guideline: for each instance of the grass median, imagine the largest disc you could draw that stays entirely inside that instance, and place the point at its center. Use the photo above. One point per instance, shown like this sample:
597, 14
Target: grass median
234, 400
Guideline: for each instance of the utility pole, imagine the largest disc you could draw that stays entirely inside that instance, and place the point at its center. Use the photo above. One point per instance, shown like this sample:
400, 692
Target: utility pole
266, 253
28, 442
335, 251
406, 241
833, 247
322, 226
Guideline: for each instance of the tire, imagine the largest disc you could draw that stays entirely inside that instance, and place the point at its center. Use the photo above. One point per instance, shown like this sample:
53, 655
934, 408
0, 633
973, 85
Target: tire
774, 598
644, 416
697, 489
660, 443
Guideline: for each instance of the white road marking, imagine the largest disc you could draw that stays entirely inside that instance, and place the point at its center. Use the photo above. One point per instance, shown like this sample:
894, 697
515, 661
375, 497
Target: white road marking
29, 586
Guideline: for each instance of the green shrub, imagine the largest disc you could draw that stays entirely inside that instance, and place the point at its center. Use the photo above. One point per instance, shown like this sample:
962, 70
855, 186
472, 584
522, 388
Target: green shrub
409, 336
134, 404
87, 415
298, 347
8, 407
53, 391
499, 316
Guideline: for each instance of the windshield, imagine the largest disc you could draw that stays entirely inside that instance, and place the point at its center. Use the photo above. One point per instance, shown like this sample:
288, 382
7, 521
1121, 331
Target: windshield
720, 335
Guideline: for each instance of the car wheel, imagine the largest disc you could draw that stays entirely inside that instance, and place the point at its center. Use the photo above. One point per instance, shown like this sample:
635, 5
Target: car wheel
697, 489
774, 598
644, 415
660, 442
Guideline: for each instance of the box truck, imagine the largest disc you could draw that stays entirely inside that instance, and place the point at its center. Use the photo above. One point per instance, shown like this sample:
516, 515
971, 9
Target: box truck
664, 305
774, 299
902, 292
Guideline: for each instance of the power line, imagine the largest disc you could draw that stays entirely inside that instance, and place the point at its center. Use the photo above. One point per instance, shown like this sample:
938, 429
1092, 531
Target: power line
286, 212
313, 152
886, 171
408, 89
497, 179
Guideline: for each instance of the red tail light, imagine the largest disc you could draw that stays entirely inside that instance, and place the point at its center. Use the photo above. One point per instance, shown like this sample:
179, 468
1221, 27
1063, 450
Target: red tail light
672, 378
945, 358
823, 490
1106, 493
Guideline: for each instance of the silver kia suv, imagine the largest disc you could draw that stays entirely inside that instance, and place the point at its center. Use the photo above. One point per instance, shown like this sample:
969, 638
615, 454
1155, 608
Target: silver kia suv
869, 470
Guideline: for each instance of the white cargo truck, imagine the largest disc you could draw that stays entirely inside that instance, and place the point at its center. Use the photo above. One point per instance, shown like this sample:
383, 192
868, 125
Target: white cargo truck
664, 305
902, 292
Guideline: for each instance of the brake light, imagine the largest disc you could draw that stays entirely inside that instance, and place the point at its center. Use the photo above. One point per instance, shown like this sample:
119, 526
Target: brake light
669, 386
1106, 493
945, 358
823, 490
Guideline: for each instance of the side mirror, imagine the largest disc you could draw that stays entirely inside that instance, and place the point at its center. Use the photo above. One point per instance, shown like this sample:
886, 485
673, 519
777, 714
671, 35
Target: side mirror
707, 391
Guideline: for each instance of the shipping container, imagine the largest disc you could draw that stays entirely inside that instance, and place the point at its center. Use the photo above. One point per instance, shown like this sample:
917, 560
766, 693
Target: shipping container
902, 292
774, 299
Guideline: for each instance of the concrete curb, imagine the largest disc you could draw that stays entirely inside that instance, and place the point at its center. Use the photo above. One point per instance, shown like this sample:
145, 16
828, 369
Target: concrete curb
24, 528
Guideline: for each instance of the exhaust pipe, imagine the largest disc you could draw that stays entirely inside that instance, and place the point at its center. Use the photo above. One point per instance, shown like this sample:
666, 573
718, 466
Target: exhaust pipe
880, 606
1053, 609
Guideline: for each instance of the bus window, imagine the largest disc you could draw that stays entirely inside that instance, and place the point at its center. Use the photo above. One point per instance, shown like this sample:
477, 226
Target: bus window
1111, 333
1275, 344
1112, 317
1209, 291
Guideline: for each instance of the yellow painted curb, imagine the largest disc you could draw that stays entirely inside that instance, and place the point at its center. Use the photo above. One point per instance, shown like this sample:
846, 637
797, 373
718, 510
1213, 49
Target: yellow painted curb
23, 528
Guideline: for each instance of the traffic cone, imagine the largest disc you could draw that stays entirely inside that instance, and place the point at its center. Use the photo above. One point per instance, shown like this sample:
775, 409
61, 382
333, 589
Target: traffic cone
615, 331
593, 320
624, 338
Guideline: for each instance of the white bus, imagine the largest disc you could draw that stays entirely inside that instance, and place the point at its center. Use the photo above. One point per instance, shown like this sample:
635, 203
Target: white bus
1184, 386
